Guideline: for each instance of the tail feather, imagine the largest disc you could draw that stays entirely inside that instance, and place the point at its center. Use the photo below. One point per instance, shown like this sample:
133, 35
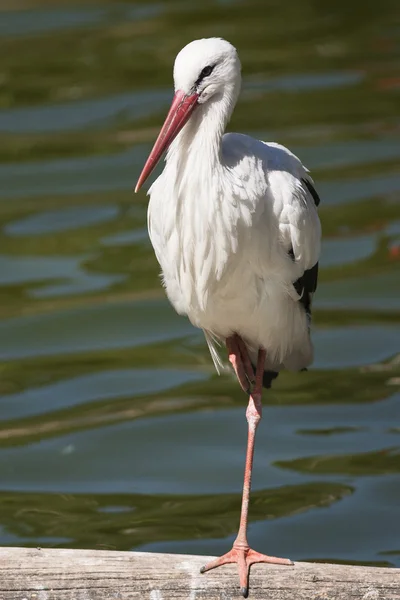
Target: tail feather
268, 378
214, 345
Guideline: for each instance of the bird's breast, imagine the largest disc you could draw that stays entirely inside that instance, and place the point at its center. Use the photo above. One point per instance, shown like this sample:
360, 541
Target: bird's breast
197, 240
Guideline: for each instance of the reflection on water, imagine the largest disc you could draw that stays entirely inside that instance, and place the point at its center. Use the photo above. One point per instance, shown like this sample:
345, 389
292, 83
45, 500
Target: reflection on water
126, 521
116, 431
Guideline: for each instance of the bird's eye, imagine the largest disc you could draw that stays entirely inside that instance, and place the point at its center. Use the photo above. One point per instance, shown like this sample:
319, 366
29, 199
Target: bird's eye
206, 71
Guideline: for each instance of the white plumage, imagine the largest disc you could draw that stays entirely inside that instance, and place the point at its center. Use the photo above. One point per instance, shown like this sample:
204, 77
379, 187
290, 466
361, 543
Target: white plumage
232, 219
234, 225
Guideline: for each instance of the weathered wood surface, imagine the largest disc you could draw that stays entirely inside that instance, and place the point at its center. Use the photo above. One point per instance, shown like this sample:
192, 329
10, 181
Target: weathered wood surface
52, 574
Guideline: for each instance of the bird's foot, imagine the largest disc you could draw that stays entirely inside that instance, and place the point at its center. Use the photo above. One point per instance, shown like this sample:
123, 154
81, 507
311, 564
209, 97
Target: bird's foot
244, 557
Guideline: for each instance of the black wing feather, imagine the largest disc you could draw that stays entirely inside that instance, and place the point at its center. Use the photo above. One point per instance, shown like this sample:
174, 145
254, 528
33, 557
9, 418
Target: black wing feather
306, 285
312, 191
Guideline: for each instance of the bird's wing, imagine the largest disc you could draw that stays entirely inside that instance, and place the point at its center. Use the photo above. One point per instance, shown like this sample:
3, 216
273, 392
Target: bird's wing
284, 198
295, 201
306, 284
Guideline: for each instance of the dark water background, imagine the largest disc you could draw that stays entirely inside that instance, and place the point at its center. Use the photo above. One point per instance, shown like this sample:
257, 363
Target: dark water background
115, 430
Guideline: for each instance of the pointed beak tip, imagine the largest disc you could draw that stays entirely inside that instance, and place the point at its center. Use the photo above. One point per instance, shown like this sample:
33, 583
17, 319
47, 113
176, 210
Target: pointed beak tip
138, 185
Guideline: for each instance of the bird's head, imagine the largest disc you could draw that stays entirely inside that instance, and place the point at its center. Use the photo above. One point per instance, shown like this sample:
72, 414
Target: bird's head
205, 69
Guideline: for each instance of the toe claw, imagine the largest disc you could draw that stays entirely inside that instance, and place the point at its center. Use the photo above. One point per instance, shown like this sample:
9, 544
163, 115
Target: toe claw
244, 591
203, 569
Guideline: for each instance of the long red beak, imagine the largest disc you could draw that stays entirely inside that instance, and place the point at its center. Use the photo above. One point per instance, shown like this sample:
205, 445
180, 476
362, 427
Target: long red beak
181, 108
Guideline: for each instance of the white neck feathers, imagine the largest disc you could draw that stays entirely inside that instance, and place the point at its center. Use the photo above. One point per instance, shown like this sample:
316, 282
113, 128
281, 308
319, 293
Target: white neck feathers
195, 154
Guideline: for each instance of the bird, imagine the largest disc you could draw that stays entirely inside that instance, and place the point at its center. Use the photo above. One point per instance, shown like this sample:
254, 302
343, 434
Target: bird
234, 225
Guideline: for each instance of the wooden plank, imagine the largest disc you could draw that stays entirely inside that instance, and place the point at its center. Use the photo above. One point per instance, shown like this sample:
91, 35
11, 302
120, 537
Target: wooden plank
55, 574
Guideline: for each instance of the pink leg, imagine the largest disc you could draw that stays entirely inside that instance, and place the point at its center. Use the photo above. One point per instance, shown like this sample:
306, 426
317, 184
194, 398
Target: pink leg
241, 553
248, 367
240, 361
235, 358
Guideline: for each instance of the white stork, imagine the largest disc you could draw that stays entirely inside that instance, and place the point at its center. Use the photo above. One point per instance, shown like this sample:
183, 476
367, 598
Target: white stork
234, 225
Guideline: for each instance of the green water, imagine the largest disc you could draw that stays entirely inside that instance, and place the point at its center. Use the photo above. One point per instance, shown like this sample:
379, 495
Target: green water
116, 432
